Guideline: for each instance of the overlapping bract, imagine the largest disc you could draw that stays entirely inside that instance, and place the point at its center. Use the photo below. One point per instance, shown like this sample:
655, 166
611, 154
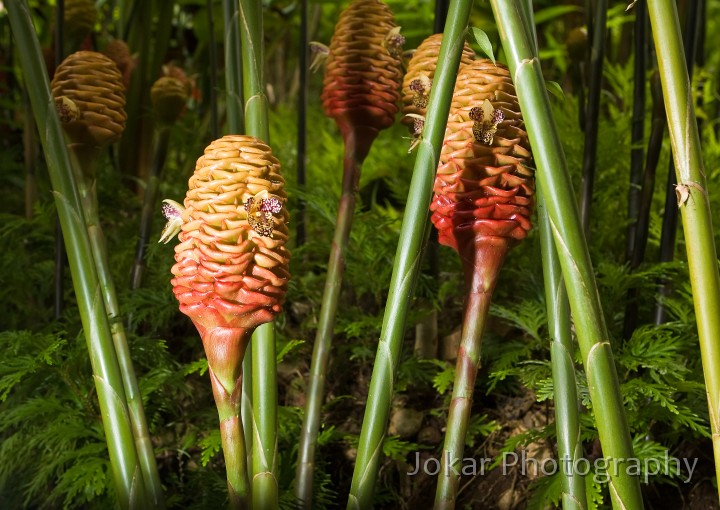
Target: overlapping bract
483, 190
364, 67
228, 275
94, 85
420, 73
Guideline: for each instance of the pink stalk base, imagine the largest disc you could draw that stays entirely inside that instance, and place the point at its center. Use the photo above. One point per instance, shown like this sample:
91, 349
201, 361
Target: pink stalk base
482, 261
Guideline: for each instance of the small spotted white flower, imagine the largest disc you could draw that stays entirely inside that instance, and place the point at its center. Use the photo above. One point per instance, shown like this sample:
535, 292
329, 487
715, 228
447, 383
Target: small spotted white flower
173, 214
260, 210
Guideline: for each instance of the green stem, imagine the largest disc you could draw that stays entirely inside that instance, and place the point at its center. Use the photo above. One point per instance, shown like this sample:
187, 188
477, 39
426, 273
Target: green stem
86, 158
407, 259
233, 68
695, 210
554, 182
357, 146
482, 275
264, 447
264, 362
567, 420
108, 381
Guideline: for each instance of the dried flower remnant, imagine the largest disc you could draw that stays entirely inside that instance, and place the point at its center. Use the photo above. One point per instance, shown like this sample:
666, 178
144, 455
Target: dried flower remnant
67, 110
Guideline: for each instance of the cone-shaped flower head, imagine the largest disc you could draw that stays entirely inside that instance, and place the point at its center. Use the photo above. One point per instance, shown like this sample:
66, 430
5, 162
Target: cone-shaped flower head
118, 51
231, 267
169, 96
483, 187
79, 19
419, 77
89, 86
364, 68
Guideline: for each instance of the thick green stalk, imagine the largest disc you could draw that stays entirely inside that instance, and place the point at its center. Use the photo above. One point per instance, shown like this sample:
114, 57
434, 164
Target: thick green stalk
356, 149
670, 217
567, 420
264, 402
693, 199
407, 259
108, 381
482, 277
555, 184
233, 68
148, 208
236, 125
86, 159
264, 362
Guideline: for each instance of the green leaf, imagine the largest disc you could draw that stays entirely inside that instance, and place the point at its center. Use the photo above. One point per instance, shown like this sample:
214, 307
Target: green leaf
287, 349
555, 89
484, 42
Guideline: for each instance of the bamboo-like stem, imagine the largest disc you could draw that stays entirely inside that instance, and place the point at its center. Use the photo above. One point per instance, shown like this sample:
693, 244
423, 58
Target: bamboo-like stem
407, 259
482, 275
233, 68
567, 419
592, 121
108, 381
225, 348
554, 180
638, 125
148, 208
356, 149
668, 234
264, 362
264, 402
695, 207
236, 125
86, 159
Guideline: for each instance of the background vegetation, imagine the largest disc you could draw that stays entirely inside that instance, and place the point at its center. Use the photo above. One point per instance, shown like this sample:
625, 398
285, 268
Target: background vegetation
52, 448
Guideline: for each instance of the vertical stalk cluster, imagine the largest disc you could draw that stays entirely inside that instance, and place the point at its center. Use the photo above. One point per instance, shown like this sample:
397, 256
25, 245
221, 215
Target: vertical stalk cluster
692, 199
554, 181
125, 465
90, 98
263, 362
406, 267
360, 92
